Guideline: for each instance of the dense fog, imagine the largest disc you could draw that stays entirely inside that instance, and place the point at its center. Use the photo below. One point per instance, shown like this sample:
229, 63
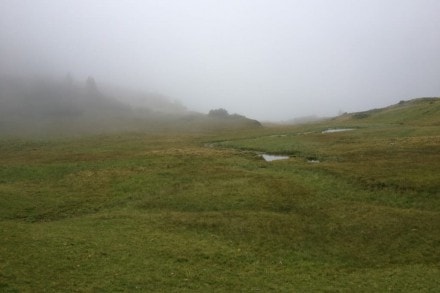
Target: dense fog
268, 60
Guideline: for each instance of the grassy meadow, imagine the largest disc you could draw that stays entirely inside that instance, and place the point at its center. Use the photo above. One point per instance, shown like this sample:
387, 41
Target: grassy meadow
352, 211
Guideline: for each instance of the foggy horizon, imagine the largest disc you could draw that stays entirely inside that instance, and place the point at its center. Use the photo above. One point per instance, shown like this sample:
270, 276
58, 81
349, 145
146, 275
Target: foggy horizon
267, 60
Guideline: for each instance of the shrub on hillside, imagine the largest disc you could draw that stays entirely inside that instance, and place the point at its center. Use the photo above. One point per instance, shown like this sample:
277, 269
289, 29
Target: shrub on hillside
219, 113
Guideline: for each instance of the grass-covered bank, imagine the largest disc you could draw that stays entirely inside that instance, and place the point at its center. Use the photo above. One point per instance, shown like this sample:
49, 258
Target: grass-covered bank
192, 212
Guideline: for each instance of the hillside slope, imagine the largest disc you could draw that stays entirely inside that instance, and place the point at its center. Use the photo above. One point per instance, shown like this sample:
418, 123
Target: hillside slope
42, 107
421, 112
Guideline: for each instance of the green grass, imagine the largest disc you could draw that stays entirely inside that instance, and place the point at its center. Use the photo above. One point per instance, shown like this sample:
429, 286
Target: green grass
204, 212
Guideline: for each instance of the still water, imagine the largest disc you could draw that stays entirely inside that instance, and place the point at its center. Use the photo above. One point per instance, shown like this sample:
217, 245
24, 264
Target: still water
337, 130
270, 158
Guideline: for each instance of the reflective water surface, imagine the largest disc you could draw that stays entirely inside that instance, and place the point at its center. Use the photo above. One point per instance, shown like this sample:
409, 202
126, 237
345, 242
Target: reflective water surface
270, 158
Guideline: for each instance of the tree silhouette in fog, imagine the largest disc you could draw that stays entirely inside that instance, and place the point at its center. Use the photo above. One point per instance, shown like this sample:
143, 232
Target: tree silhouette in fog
91, 87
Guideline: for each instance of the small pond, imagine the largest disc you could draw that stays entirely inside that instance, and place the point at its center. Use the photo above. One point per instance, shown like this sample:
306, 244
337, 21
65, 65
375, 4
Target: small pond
331, 130
270, 158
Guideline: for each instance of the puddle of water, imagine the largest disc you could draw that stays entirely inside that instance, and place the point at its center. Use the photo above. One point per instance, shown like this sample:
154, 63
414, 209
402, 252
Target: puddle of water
337, 130
313, 161
278, 135
270, 158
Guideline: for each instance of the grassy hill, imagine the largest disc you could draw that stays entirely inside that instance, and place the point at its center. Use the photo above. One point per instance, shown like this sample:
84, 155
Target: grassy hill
194, 212
47, 108
422, 111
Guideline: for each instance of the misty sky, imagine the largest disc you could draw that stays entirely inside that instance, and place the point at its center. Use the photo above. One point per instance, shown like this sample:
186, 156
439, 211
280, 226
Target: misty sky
265, 59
